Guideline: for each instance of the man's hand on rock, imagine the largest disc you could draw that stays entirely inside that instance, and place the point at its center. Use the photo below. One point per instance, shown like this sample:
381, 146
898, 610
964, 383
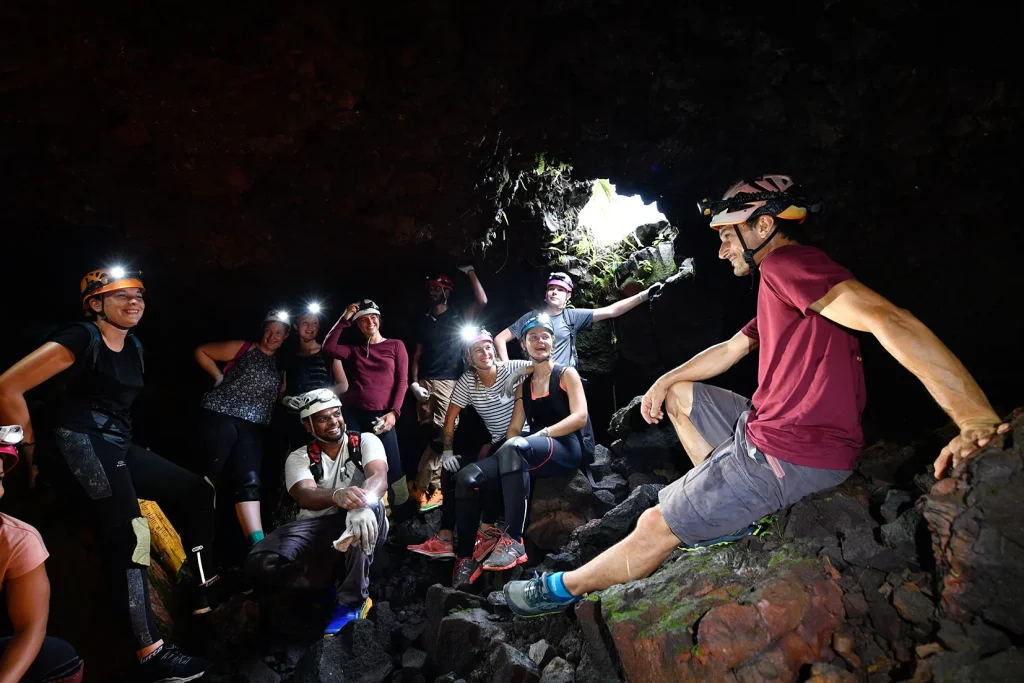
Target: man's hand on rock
974, 435
650, 406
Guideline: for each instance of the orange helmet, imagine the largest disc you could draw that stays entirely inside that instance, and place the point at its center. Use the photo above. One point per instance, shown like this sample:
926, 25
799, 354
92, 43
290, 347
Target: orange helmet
98, 282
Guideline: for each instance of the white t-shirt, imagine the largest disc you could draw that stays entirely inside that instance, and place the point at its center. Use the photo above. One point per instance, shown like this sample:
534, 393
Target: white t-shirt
336, 475
490, 404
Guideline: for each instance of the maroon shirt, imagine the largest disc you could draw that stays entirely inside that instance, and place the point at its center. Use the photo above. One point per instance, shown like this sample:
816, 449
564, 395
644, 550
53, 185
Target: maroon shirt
810, 392
377, 373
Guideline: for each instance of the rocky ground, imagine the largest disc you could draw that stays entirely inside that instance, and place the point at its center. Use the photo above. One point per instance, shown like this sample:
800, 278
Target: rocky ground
892, 576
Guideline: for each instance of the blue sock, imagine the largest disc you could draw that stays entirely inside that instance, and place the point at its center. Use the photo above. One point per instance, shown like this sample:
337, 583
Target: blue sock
255, 537
557, 587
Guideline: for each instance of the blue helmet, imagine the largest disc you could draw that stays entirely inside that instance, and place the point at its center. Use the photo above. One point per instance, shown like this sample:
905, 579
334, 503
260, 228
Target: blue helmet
539, 320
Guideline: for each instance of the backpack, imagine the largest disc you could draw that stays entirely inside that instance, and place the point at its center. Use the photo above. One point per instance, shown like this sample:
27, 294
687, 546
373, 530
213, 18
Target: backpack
588, 444
355, 454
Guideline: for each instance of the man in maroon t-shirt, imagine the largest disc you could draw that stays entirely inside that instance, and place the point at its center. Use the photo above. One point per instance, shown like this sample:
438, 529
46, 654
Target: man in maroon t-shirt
801, 433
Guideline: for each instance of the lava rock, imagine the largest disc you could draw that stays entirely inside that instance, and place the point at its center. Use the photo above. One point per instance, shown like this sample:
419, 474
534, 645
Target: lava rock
415, 530
558, 506
411, 632
750, 613
913, 605
616, 525
596, 349
974, 516
558, 671
255, 671
615, 485
602, 465
384, 619
595, 667
626, 419
604, 502
414, 659
352, 656
903, 535
640, 478
1003, 667
512, 666
441, 600
896, 502
541, 653
656, 448
464, 639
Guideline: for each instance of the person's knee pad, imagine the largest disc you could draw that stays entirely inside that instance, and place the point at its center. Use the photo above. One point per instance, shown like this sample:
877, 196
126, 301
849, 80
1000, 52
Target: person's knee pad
128, 543
469, 478
511, 456
248, 488
401, 490
259, 567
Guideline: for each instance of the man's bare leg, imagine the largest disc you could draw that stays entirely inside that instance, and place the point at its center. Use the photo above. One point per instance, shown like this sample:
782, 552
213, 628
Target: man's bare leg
634, 557
678, 403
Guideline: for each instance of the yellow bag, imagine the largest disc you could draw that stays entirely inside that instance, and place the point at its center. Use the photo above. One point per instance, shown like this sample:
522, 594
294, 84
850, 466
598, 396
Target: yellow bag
165, 540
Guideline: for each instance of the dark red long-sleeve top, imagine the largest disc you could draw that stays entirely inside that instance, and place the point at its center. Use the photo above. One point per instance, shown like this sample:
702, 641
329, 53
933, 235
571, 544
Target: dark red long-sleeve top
377, 373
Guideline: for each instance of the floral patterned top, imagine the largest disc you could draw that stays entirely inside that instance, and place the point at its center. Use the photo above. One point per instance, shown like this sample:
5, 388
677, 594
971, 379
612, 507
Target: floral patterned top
249, 389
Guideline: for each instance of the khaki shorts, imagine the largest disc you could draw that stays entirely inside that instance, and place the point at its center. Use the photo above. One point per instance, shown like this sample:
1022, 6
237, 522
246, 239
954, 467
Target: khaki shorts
737, 484
434, 408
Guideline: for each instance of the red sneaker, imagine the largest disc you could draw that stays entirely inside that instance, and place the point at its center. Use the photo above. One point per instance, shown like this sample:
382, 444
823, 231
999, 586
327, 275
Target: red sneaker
486, 539
466, 572
435, 547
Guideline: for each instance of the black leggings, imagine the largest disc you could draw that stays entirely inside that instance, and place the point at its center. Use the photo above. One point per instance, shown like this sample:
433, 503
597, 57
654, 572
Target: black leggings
225, 438
358, 420
115, 473
491, 506
57, 662
510, 469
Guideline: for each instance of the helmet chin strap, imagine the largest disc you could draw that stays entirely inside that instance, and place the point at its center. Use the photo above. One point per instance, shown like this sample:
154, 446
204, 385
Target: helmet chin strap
313, 432
103, 316
748, 253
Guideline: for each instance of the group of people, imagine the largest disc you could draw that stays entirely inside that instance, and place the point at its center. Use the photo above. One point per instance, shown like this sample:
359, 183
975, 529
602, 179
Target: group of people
799, 434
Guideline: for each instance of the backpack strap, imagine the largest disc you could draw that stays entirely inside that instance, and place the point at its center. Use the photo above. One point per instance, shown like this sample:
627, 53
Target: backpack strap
96, 338
241, 352
316, 466
355, 451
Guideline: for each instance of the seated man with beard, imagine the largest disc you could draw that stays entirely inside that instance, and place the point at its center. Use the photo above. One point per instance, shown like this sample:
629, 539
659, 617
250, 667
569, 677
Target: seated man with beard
337, 480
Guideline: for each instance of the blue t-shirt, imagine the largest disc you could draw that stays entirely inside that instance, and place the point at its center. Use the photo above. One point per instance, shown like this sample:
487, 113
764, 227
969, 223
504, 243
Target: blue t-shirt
569, 323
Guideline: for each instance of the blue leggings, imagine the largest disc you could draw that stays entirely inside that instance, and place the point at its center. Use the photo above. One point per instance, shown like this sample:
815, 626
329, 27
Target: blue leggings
511, 469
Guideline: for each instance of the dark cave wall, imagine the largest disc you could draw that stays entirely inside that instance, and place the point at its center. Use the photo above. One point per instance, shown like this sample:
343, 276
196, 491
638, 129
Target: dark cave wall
247, 155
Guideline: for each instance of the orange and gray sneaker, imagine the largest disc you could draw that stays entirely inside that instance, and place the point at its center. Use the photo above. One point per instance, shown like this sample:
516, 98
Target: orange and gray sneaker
486, 539
430, 502
507, 553
435, 547
467, 570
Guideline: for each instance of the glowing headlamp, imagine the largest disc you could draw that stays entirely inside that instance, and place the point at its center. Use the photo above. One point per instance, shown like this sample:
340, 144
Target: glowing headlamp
118, 272
313, 307
468, 332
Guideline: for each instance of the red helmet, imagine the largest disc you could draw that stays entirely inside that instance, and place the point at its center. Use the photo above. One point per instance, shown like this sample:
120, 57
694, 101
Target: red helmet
442, 281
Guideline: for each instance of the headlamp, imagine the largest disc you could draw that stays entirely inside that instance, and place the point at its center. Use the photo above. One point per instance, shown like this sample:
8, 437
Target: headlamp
314, 308
118, 272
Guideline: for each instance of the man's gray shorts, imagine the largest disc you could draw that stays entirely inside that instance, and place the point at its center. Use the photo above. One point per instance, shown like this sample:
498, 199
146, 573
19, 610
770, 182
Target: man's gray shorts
737, 484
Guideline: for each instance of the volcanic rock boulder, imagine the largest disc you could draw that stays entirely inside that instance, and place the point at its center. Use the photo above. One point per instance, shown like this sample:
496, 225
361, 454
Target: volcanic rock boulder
353, 656
558, 506
755, 616
978, 537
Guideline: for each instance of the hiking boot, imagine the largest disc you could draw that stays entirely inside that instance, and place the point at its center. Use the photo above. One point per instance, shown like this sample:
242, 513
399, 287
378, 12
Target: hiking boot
435, 548
486, 539
170, 665
428, 503
466, 572
344, 614
507, 553
532, 598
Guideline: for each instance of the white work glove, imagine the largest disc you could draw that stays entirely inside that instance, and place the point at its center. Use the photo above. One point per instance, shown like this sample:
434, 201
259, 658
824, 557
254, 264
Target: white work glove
450, 461
467, 269
515, 378
291, 403
217, 380
419, 393
361, 527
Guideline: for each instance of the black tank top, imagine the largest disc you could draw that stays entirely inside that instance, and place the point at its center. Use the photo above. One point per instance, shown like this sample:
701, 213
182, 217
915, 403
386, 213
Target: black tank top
550, 409
306, 373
